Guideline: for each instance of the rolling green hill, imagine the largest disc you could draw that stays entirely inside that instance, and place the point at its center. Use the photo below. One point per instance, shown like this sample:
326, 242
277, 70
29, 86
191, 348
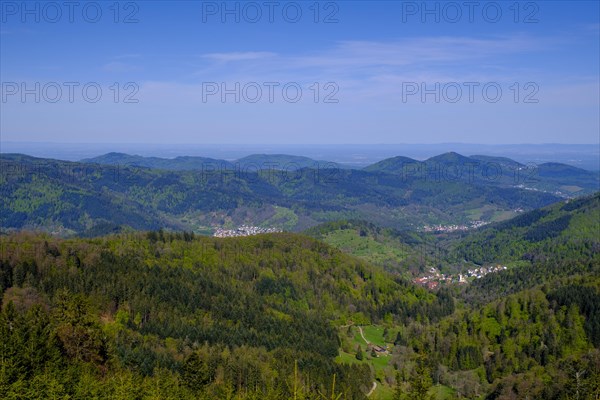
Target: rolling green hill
405, 252
283, 162
503, 161
538, 246
542, 230
545, 245
181, 163
567, 177
392, 165
557, 178
200, 315
175, 315
449, 158
66, 197
534, 344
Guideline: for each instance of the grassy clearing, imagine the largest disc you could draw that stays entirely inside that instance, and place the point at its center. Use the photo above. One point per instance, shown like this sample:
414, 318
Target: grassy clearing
366, 247
380, 365
284, 218
441, 392
383, 392
502, 216
572, 188
374, 334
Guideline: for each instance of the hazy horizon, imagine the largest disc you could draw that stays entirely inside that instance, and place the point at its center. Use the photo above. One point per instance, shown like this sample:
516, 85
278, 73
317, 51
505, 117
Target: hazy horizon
262, 200
586, 156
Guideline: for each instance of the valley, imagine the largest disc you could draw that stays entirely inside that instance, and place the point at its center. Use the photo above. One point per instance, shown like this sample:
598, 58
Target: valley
118, 191
130, 299
299, 200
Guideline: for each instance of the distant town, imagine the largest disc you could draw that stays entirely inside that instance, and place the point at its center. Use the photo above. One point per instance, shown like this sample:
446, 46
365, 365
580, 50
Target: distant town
435, 278
454, 228
555, 192
244, 230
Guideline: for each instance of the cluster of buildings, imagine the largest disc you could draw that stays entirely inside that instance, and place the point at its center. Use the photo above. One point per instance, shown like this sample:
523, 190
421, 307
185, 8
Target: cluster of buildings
556, 192
378, 350
435, 278
244, 230
483, 271
454, 228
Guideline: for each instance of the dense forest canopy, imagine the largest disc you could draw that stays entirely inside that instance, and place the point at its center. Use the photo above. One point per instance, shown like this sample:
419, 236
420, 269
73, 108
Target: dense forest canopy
154, 303
89, 198
333, 313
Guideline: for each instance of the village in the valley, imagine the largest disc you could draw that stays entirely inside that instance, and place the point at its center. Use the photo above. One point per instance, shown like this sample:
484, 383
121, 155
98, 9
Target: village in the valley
453, 228
244, 230
436, 278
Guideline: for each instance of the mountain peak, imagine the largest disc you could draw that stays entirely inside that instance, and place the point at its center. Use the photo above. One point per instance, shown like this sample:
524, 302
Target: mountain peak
391, 165
451, 156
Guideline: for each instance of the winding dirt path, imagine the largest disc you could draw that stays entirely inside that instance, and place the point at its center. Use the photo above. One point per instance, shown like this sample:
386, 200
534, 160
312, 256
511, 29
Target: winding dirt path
363, 336
368, 343
372, 389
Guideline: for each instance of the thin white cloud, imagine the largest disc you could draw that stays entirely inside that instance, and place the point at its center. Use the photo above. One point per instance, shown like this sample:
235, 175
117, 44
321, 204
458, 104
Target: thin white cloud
363, 60
416, 51
370, 70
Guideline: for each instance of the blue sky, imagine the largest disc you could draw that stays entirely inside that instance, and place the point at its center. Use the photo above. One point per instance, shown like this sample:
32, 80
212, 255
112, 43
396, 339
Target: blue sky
527, 75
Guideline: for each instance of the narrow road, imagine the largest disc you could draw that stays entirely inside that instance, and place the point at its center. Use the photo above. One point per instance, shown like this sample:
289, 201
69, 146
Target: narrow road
368, 343
363, 336
372, 389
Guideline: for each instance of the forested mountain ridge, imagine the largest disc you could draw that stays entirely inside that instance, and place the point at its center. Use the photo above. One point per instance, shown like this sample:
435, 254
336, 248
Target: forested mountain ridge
531, 331
283, 162
553, 177
545, 245
554, 241
575, 222
403, 252
180, 163
75, 198
159, 314
533, 344
153, 306
183, 163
